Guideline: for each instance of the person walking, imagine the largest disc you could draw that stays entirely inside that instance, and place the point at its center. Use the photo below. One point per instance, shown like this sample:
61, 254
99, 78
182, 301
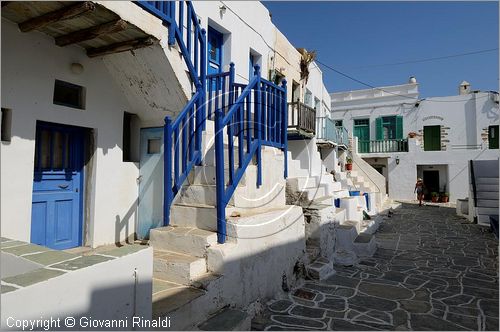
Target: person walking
419, 189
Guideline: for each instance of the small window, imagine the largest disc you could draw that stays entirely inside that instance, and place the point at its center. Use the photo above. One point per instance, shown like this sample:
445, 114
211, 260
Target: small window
154, 145
127, 144
493, 137
432, 138
338, 123
361, 122
6, 125
68, 94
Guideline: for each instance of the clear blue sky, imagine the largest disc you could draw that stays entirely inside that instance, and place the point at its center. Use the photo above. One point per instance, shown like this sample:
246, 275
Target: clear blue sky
351, 35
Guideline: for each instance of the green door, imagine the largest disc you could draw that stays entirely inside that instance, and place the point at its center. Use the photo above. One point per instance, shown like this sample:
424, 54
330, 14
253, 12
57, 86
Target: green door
432, 138
493, 137
362, 132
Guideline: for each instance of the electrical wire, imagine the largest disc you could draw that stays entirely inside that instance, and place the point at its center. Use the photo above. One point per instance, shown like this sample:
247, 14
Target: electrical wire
389, 92
428, 59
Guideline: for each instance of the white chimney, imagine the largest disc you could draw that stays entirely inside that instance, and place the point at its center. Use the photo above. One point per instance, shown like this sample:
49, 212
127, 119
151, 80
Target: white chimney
412, 80
464, 88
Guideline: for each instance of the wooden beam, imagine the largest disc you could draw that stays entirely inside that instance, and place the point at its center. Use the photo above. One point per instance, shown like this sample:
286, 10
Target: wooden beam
120, 47
57, 15
91, 33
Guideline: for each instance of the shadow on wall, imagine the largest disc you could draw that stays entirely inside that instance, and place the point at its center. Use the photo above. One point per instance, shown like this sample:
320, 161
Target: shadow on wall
123, 225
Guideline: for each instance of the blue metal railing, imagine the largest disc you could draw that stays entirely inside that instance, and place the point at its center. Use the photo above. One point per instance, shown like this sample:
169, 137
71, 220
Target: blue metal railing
326, 130
182, 137
256, 116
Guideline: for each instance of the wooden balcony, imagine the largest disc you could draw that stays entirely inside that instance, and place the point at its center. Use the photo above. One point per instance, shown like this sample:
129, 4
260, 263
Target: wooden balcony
301, 120
85, 23
383, 146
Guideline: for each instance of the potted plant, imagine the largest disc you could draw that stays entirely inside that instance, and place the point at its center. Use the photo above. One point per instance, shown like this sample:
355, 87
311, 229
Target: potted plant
434, 197
445, 197
412, 134
348, 164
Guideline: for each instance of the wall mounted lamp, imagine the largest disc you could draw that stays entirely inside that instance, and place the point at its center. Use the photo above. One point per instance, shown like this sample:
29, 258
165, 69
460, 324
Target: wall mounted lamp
222, 9
397, 160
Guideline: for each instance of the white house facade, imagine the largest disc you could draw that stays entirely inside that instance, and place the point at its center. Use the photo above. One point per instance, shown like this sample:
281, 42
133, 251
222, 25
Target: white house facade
406, 138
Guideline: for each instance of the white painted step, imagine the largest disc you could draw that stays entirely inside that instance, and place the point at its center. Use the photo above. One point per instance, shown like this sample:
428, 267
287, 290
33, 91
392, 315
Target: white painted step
487, 203
197, 194
487, 187
365, 245
487, 195
200, 216
177, 267
320, 269
483, 219
186, 240
345, 235
487, 210
486, 180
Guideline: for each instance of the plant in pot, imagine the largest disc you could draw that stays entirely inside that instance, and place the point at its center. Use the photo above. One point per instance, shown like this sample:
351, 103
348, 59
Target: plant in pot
434, 197
445, 197
348, 164
412, 134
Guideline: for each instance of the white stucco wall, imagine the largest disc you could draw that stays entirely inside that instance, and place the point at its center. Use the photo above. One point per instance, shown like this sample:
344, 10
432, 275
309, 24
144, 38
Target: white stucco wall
245, 25
30, 64
92, 292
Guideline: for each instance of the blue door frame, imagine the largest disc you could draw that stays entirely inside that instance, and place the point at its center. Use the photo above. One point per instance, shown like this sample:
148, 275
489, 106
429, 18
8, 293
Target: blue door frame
57, 203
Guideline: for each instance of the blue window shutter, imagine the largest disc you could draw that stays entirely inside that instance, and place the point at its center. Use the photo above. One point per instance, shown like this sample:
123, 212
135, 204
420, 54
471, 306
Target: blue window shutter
399, 127
380, 129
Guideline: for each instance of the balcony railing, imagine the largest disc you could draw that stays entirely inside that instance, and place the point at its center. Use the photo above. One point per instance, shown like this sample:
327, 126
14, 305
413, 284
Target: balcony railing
326, 129
301, 118
383, 146
342, 136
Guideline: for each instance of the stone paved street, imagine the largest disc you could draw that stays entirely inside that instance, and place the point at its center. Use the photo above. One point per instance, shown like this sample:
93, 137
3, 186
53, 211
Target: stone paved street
432, 271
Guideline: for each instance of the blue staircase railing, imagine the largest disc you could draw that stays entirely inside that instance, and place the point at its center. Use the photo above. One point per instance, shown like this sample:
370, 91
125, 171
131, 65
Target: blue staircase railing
256, 116
182, 137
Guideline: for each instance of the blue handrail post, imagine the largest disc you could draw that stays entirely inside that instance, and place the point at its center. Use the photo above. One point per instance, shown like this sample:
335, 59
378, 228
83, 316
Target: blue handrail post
231, 84
284, 127
219, 177
258, 125
167, 169
198, 124
173, 25
203, 75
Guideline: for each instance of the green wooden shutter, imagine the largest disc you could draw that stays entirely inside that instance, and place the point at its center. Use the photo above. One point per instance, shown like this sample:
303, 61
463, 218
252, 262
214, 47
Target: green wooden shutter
399, 127
493, 137
380, 129
432, 138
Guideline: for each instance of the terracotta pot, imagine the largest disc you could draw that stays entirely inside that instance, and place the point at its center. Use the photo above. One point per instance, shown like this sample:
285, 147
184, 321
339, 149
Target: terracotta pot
348, 167
444, 199
412, 135
435, 199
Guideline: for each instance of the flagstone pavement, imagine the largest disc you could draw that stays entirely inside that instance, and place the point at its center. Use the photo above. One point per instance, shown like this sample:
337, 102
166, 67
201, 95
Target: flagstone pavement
432, 271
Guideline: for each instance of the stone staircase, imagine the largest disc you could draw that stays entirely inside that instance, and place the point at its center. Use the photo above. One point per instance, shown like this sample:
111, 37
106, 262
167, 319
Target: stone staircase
189, 264
487, 199
333, 235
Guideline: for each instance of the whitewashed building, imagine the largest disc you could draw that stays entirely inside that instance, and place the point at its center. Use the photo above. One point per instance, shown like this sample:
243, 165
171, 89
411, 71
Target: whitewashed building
405, 138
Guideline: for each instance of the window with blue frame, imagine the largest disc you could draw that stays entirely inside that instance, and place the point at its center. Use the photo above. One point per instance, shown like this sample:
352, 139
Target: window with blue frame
215, 43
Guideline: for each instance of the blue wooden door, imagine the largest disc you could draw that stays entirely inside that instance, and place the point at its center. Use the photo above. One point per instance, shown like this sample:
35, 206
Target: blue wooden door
150, 181
56, 218
215, 39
